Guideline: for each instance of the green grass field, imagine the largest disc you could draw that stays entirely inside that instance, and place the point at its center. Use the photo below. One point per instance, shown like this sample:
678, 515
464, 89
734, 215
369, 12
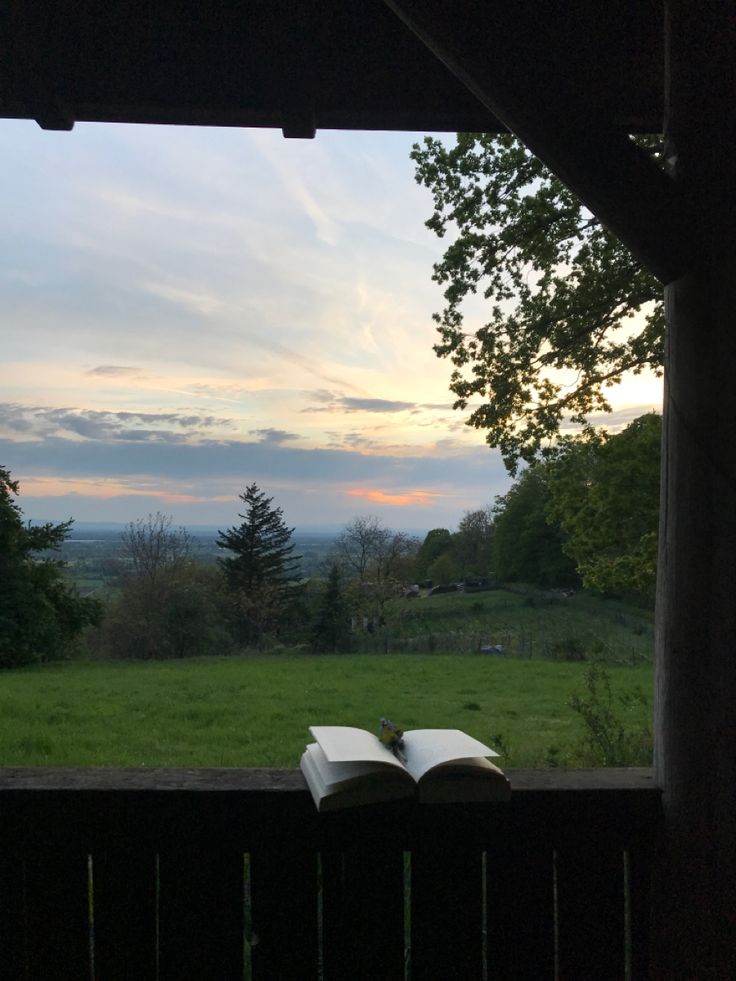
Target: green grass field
254, 711
527, 622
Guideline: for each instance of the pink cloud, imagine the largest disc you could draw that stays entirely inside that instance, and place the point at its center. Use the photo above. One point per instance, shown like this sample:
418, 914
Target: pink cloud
409, 499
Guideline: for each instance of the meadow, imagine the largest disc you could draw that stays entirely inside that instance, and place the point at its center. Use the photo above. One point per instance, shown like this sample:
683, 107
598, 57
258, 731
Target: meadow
255, 710
526, 622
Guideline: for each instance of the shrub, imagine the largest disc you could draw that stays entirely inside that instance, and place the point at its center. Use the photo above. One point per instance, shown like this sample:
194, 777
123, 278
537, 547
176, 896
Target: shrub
606, 740
183, 615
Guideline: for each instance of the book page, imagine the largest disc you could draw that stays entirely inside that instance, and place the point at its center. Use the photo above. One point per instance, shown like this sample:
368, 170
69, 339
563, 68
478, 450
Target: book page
425, 749
333, 774
373, 784
346, 744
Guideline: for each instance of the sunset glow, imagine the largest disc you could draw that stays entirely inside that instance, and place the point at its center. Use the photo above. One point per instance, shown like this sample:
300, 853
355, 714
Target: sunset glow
185, 311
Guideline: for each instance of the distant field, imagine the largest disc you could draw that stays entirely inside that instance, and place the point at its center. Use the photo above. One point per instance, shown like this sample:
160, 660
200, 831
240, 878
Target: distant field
254, 711
526, 622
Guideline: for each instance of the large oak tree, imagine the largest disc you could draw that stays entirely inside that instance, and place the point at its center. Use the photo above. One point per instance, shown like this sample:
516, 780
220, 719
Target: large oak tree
559, 291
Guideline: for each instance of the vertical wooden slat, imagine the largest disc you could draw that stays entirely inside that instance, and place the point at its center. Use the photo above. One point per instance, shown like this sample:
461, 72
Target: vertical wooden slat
590, 912
57, 905
446, 911
640, 900
520, 910
124, 914
12, 917
283, 892
201, 914
363, 913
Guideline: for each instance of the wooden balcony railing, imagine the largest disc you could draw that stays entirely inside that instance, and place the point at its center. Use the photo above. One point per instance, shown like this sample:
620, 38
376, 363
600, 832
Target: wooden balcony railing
217, 875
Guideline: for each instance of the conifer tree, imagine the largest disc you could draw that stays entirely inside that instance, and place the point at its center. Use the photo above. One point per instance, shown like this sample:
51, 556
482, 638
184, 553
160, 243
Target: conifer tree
261, 572
330, 632
40, 614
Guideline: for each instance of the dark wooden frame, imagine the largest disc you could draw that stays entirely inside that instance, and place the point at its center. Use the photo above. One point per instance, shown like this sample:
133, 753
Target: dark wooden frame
683, 225
161, 854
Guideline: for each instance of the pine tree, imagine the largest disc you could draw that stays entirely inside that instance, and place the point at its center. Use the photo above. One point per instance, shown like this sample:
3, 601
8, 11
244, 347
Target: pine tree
261, 572
40, 614
330, 632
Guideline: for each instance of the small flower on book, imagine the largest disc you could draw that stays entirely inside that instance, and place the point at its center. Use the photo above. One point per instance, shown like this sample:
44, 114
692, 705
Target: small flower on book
392, 737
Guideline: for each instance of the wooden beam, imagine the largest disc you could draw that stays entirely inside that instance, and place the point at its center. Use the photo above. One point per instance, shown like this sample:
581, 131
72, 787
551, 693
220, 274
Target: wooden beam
38, 95
614, 178
293, 27
694, 886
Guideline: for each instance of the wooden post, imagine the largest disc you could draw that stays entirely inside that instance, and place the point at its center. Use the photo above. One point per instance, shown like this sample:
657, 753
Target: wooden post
694, 925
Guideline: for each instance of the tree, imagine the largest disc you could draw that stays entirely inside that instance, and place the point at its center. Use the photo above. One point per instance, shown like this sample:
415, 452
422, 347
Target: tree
473, 543
40, 614
561, 292
331, 628
528, 546
443, 570
183, 615
437, 542
169, 605
377, 558
604, 493
152, 546
261, 573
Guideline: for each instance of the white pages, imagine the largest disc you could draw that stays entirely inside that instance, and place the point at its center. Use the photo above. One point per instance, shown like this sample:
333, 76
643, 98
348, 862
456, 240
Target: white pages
423, 750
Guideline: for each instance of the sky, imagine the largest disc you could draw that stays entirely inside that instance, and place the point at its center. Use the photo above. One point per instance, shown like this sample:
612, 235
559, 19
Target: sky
185, 311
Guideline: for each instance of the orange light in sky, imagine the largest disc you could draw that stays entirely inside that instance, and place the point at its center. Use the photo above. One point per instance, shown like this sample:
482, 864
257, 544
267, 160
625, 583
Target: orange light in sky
104, 490
412, 498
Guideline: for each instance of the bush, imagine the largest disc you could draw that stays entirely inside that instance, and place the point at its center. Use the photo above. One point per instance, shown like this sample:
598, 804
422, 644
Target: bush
182, 615
567, 649
606, 740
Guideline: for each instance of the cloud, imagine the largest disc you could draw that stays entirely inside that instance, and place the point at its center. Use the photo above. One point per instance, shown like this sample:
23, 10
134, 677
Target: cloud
614, 420
326, 227
417, 498
197, 302
113, 370
273, 436
96, 424
230, 460
333, 402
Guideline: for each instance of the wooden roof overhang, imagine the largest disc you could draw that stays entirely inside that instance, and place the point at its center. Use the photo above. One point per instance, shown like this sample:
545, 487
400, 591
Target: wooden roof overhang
572, 79
324, 64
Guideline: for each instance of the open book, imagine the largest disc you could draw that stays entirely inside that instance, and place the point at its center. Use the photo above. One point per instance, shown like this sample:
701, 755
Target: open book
347, 767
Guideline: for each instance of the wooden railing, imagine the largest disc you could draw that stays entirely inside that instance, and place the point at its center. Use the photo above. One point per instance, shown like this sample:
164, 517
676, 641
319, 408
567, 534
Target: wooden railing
217, 875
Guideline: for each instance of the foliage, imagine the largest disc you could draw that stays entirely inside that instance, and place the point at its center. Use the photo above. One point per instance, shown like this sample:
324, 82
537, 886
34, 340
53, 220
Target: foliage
331, 627
528, 547
608, 738
473, 543
181, 614
604, 493
464, 555
153, 546
261, 572
168, 605
443, 570
437, 542
40, 614
560, 289
377, 560
527, 623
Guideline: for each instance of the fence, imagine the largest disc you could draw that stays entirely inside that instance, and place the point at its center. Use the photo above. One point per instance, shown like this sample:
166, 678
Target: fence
214, 875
